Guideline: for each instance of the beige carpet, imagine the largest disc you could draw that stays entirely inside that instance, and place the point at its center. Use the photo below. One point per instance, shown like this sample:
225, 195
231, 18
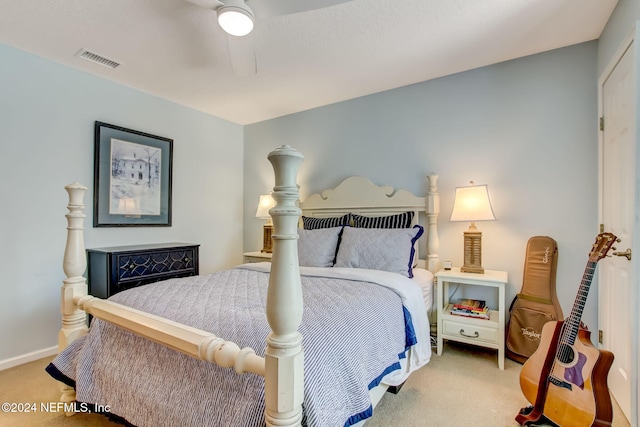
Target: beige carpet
463, 387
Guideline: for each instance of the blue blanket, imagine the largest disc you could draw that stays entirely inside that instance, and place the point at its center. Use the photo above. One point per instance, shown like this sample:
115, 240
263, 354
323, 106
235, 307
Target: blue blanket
354, 333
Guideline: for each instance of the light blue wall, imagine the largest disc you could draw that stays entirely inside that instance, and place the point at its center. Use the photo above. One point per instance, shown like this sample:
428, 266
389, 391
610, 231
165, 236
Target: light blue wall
47, 113
527, 128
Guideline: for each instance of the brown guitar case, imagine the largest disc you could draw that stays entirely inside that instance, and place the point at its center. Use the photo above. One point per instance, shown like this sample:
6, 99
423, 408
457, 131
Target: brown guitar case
537, 302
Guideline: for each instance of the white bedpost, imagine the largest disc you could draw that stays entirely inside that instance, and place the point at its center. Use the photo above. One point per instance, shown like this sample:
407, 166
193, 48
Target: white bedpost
433, 210
284, 356
74, 265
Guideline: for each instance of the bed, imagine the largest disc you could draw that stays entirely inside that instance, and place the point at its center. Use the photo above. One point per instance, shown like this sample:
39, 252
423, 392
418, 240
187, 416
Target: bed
173, 352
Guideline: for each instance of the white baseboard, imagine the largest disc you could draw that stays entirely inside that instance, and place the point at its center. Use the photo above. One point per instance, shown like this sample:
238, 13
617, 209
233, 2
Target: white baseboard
29, 357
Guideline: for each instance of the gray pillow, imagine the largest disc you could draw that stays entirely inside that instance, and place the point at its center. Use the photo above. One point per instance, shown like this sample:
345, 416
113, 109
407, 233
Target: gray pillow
317, 248
388, 249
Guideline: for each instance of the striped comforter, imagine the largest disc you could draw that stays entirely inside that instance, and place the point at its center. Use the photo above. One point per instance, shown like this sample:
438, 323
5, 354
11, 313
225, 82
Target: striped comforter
356, 330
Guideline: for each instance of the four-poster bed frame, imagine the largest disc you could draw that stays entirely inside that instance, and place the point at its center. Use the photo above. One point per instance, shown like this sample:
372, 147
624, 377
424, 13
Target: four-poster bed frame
282, 365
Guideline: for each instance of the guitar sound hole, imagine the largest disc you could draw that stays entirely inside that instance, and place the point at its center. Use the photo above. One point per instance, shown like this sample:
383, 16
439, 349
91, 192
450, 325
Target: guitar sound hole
565, 354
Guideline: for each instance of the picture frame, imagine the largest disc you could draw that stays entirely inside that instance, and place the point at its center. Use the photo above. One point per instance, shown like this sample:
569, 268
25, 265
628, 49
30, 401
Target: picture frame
132, 178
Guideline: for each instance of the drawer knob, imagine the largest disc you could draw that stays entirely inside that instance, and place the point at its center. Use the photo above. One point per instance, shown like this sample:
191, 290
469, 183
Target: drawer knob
475, 334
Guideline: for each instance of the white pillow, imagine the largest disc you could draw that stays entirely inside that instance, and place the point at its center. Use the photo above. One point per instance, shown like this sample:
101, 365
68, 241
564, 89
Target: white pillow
317, 248
387, 249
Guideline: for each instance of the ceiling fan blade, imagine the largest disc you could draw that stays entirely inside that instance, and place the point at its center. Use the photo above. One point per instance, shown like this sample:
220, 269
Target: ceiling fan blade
242, 55
207, 4
267, 8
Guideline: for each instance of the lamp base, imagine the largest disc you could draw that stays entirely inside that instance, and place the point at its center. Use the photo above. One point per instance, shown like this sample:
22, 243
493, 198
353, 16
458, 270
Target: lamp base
469, 269
267, 243
472, 252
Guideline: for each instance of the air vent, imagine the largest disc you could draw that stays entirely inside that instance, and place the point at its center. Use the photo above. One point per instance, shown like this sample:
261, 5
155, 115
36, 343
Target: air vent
97, 59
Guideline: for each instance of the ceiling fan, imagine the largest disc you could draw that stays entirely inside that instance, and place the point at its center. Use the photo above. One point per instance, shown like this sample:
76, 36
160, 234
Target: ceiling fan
237, 17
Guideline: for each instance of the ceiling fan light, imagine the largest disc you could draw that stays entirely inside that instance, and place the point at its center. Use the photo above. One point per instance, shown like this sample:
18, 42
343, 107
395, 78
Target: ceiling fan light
236, 20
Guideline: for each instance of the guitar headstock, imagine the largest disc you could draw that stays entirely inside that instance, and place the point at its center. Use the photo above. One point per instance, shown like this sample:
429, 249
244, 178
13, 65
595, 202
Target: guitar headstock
602, 245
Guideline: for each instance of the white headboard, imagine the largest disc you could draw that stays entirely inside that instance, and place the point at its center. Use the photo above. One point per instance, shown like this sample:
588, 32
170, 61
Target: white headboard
359, 195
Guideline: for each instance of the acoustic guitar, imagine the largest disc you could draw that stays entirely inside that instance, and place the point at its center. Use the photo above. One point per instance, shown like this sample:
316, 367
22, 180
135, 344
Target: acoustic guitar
565, 379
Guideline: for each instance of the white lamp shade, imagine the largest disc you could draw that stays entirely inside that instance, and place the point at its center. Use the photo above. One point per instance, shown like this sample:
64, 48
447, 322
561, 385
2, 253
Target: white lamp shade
266, 202
235, 18
472, 204
127, 205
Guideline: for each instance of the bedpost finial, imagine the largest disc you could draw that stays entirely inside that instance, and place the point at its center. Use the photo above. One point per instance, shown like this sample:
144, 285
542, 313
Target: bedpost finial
75, 184
432, 180
285, 160
74, 263
76, 194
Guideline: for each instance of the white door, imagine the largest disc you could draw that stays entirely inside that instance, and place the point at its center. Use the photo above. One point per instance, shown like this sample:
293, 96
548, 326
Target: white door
618, 171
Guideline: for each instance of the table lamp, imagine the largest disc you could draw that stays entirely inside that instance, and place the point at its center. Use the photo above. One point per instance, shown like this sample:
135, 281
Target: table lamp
472, 204
128, 206
266, 202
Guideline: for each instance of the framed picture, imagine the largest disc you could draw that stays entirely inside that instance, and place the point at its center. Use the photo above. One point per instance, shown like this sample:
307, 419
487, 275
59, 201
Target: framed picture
132, 178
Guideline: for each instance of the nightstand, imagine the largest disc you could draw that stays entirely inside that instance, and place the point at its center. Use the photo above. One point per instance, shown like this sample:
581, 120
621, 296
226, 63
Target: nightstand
257, 256
482, 332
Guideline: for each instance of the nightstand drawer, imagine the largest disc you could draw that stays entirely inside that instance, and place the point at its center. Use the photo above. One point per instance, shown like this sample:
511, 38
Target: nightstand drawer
132, 266
470, 331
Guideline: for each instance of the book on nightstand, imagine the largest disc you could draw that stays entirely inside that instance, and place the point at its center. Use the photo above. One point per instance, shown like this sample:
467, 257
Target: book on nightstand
470, 304
470, 308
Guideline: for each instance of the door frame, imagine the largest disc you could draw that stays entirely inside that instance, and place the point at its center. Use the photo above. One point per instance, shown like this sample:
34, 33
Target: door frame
634, 35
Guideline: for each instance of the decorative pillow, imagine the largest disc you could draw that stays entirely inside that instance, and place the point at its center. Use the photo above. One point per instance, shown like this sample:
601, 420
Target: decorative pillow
387, 249
402, 220
317, 248
311, 223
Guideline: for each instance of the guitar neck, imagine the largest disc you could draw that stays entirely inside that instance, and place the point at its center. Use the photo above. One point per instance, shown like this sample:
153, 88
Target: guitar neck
572, 323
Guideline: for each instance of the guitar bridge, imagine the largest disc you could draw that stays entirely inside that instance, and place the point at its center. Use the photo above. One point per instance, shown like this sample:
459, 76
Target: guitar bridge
558, 382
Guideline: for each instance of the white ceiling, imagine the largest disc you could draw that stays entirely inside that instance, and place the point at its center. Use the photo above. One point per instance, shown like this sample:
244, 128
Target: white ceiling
175, 50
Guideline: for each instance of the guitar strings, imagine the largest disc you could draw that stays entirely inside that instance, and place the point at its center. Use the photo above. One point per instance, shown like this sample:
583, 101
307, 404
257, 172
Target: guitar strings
569, 331
570, 327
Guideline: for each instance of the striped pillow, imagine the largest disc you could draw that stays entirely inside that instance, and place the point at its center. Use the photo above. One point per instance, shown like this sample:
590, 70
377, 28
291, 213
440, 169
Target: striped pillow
402, 220
311, 223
